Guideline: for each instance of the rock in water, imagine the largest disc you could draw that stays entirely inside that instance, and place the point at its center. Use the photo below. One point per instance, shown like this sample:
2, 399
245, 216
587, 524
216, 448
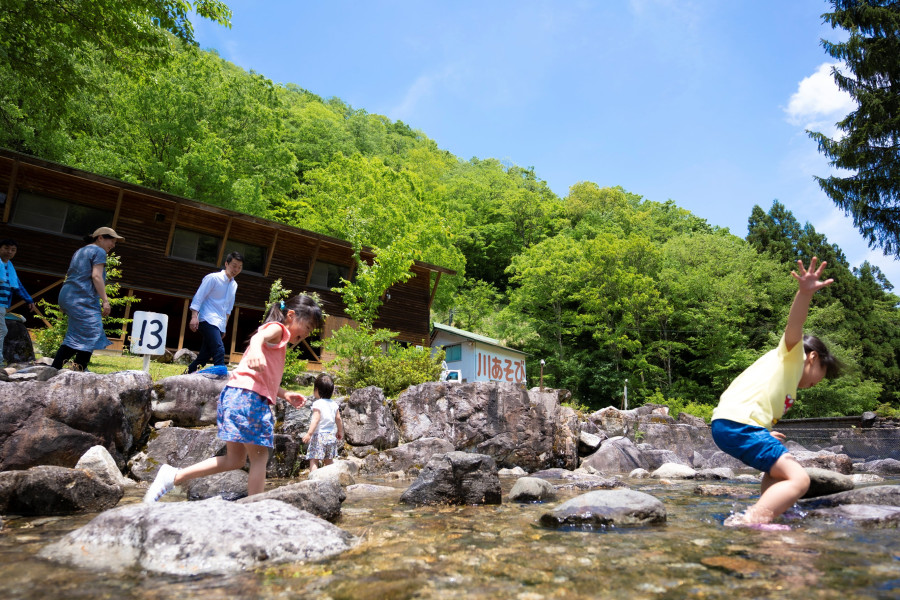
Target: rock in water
194, 538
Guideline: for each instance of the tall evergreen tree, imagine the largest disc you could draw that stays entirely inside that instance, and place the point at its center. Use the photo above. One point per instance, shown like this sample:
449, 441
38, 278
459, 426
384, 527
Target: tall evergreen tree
870, 150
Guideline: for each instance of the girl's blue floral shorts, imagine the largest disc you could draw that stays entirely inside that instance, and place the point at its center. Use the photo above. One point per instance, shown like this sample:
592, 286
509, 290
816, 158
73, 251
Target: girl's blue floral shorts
244, 416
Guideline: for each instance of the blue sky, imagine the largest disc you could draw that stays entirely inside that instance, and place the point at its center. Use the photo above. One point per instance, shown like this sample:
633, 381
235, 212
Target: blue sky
702, 102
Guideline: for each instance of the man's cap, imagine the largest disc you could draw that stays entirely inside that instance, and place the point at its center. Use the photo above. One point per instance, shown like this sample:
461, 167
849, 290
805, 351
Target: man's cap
107, 231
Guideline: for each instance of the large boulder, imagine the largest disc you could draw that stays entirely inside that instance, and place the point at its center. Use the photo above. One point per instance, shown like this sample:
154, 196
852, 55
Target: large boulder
405, 457
514, 426
368, 420
456, 478
604, 508
196, 538
615, 455
178, 447
882, 466
55, 422
52, 490
682, 439
187, 400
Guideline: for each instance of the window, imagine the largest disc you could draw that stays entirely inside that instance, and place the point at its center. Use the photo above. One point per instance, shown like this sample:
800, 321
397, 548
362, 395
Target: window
254, 256
327, 275
193, 245
453, 353
58, 216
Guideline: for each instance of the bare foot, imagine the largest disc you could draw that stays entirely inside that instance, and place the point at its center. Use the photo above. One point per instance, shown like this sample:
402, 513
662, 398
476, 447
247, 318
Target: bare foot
745, 519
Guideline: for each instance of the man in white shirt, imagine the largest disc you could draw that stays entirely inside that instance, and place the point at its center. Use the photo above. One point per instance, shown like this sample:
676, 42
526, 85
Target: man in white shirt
210, 309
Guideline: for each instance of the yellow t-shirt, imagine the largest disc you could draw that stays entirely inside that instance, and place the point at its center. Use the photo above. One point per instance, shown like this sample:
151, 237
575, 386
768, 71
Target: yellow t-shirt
765, 390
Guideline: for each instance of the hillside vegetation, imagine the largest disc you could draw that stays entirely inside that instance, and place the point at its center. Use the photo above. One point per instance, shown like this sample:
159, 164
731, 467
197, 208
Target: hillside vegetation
602, 284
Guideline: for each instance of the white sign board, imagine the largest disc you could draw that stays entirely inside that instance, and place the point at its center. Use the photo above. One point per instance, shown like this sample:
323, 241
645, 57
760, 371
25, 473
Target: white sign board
148, 333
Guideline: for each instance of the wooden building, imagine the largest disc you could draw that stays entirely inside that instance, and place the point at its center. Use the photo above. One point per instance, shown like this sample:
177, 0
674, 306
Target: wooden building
172, 242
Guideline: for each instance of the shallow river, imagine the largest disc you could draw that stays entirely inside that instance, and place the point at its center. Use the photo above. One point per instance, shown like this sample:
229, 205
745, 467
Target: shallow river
501, 552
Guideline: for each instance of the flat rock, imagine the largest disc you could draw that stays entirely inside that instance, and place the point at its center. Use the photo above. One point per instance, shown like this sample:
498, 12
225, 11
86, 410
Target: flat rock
866, 515
883, 495
195, 538
729, 491
605, 508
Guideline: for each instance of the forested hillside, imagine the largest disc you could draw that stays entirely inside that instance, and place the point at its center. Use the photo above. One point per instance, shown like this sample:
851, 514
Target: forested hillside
602, 284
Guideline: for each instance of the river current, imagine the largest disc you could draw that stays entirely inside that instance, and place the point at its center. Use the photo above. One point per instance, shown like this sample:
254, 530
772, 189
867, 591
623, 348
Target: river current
490, 552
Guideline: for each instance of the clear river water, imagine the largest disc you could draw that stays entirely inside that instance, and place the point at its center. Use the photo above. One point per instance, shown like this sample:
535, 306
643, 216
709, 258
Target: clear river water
482, 552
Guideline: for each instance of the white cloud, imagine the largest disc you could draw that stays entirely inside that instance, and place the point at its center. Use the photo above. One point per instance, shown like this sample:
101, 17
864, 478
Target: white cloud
818, 103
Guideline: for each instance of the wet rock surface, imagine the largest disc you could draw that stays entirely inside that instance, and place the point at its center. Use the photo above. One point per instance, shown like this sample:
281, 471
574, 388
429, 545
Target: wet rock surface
532, 489
320, 498
187, 400
455, 478
55, 422
51, 490
607, 508
823, 482
368, 420
194, 538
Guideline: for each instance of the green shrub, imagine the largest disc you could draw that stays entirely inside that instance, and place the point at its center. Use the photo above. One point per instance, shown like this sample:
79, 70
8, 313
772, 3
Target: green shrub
680, 405
49, 339
371, 357
293, 366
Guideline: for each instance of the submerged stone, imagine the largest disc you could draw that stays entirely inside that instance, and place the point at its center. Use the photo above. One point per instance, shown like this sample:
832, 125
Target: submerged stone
867, 515
604, 508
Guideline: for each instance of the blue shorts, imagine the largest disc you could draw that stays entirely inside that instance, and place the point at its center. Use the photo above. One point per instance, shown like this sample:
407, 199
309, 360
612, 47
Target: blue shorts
244, 416
752, 445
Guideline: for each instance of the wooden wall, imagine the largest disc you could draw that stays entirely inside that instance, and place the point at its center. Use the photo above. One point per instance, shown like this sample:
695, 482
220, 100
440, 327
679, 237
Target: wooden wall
146, 218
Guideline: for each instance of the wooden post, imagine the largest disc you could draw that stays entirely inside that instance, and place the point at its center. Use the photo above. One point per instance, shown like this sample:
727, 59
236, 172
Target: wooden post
434, 290
115, 220
127, 315
224, 241
10, 192
234, 322
172, 232
271, 254
184, 322
312, 262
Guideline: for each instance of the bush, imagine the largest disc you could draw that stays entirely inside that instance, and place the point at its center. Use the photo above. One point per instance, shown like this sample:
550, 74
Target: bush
680, 405
371, 357
49, 339
293, 367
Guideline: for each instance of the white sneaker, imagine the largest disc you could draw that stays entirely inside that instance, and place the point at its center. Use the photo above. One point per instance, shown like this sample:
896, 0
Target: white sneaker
164, 482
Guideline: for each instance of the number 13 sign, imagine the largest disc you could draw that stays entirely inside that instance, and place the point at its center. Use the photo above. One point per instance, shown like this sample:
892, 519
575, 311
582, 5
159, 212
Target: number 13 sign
148, 335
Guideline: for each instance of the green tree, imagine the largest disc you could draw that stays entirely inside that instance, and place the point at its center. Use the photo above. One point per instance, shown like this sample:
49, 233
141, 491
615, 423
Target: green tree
44, 45
869, 147
200, 127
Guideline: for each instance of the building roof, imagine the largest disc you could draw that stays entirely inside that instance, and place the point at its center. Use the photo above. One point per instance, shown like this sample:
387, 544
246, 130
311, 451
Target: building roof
471, 336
